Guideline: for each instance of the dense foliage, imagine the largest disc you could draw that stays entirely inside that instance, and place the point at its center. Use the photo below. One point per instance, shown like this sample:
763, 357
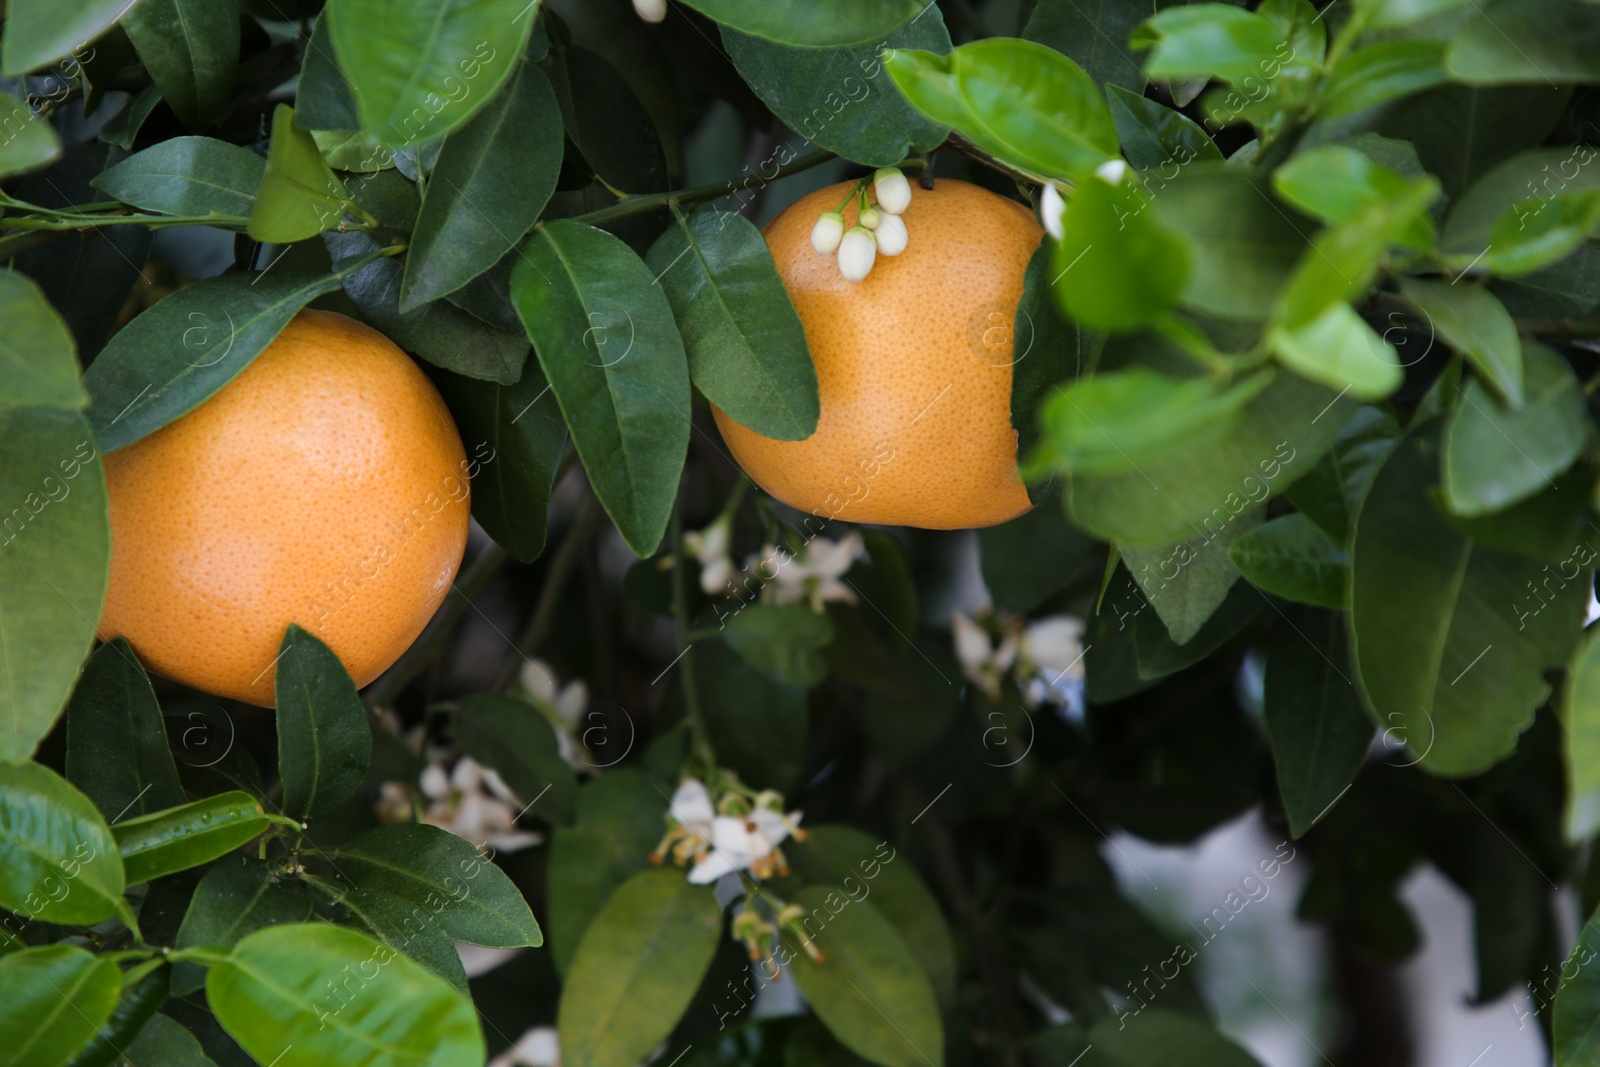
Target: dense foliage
1302, 385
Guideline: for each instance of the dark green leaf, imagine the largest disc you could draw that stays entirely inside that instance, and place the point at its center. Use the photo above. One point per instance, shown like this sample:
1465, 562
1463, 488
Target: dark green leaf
493, 177
619, 822
637, 968
758, 725
473, 899
1501, 197
58, 861
1187, 582
1477, 325
237, 897
1380, 73
31, 142
783, 641
323, 100
38, 359
605, 336
404, 926
1537, 42
1576, 1021
41, 31
1388, 14
421, 68
747, 350
1053, 350
191, 50
1094, 34
123, 130
1331, 492
614, 131
187, 176
1158, 1036
1495, 456
301, 995
1294, 558
1031, 558
1118, 267
176, 839
53, 1001
144, 989
1154, 135
1580, 714
117, 750
164, 1043
324, 742
299, 196
513, 738
813, 23
172, 357
54, 555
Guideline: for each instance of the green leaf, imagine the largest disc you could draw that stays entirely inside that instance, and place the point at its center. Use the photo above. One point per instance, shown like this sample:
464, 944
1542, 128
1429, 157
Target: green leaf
1576, 1038
1330, 494
1580, 717
58, 861
165, 1043
813, 23
842, 857
1537, 42
1319, 733
1031, 558
1338, 349
176, 839
1158, 1036
117, 749
1535, 233
1094, 34
522, 430
1053, 349
837, 98
322, 99
1495, 456
1154, 135
1473, 322
1210, 39
144, 989
1294, 558
1335, 182
757, 724
310, 994
1380, 73
1118, 268
404, 927
53, 1001
191, 50
1025, 103
1461, 131
31, 142
234, 899
1500, 204
1388, 14
55, 551
605, 336
619, 823
324, 742
637, 969
299, 196
1186, 583
185, 347
512, 738
1448, 653
783, 641
41, 31
124, 129
473, 899
619, 141
747, 350
421, 68
187, 176
871, 992
1113, 423
493, 177
38, 358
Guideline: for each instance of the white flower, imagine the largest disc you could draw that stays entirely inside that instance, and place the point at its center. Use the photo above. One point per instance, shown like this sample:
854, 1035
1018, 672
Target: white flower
982, 661
826, 234
892, 235
1111, 171
740, 843
561, 705
538, 1047
651, 10
471, 801
870, 217
856, 252
816, 577
1055, 646
691, 808
1051, 210
892, 189
710, 547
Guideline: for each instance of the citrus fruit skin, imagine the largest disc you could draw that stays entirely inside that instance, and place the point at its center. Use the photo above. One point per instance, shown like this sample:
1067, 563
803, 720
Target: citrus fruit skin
325, 485
913, 366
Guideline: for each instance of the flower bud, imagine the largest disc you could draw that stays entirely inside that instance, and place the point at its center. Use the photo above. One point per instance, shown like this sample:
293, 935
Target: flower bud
856, 252
1051, 210
651, 10
870, 217
891, 235
1111, 171
892, 190
826, 233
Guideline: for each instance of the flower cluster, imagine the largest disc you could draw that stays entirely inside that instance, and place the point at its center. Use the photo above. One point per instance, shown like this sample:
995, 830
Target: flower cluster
469, 799
814, 575
737, 833
878, 228
1039, 655
562, 706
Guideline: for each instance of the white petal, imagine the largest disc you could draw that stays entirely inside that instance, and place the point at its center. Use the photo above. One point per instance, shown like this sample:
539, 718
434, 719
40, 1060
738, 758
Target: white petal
435, 783
732, 837
539, 680
497, 786
708, 870
1051, 210
716, 576
572, 700
512, 840
691, 806
467, 776
770, 826
892, 190
856, 253
1111, 171
892, 235
651, 10
827, 233
1054, 644
972, 646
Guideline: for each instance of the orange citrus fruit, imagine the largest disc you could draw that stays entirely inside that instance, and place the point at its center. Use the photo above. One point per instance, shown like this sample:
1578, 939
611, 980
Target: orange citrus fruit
913, 366
325, 485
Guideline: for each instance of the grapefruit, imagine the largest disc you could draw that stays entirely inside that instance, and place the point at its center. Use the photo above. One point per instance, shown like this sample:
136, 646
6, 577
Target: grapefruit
326, 485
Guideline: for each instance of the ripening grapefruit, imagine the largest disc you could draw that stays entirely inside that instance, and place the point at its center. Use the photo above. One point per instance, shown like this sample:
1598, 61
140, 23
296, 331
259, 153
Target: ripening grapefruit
913, 366
325, 485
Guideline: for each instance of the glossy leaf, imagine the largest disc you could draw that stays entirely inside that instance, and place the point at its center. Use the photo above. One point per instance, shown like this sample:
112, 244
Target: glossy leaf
605, 336
187, 176
747, 350
165, 1043
473, 899
486, 190
1538, 42
1118, 268
421, 68
784, 641
1330, 494
323, 100
286, 994
144, 989
53, 1001
1186, 583
324, 742
840, 98
1047, 350
41, 31
405, 927
813, 23
1380, 73
58, 861
1495, 456
1294, 558
513, 738
1338, 349
54, 557
188, 345
191, 50
30, 142
1209, 39
117, 748
176, 839
1580, 715
1536, 233
871, 993
1448, 643
38, 358
637, 969
236, 898
1335, 182
1093, 34
299, 196
619, 824
1473, 322
1511, 197
1154, 135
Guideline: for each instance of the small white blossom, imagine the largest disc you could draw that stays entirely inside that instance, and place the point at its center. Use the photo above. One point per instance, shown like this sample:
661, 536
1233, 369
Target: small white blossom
710, 547
870, 217
814, 578
984, 662
857, 250
1052, 208
1111, 171
892, 190
538, 1047
1045, 657
746, 843
651, 10
470, 800
892, 235
691, 807
827, 233
562, 706
1054, 645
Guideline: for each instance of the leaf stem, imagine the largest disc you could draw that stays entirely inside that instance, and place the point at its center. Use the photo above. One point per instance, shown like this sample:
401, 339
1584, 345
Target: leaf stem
638, 205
